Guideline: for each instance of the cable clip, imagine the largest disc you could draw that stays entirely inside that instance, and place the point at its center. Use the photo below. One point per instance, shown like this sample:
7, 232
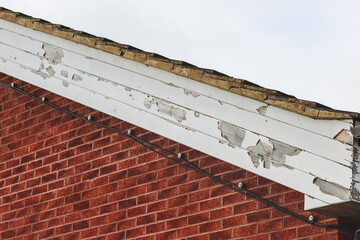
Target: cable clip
89, 118
311, 218
129, 132
179, 155
12, 85
43, 99
241, 185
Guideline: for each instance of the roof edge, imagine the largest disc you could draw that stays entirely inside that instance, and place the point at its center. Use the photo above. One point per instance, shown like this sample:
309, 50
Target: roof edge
210, 77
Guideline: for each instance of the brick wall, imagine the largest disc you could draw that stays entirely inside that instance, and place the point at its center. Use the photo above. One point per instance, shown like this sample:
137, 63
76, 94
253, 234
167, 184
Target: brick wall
64, 178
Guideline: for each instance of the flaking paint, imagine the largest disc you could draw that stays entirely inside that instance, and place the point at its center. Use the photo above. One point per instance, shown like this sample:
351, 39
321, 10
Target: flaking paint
271, 154
52, 54
232, 133
333, 189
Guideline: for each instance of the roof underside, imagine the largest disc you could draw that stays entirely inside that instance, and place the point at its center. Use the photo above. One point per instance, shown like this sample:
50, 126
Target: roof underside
211, 77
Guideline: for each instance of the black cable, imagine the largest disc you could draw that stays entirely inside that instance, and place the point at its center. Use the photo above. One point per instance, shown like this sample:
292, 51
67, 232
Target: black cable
179, 160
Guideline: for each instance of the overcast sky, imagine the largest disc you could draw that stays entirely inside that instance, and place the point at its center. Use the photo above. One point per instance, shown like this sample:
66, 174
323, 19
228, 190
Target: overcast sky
306, 48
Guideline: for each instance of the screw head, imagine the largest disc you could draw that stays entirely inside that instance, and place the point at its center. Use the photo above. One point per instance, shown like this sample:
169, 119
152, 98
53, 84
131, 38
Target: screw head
179, 155
89, 117
311, 218
240, 185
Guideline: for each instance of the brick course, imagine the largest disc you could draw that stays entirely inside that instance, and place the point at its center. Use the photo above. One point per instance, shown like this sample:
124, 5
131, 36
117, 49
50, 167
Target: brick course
64, 178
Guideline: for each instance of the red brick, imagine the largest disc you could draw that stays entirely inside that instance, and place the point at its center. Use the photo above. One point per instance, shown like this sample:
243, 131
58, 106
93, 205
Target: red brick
99, 201
284, 234
136, 211
258, 216
147, 198
65, 178
245, 231
309, 230
199, 195
167, 193
145, 219
167, 172
233, 198
127, 203
98, 220
116, 236
210, 226
81, 205
177, 201
171, 213
166, 235
107, 228
270, 225
225, 234
245, 207
198, 218
210, 204
188, 231
80, 225
293, 197
89, 233
233, 221
135, 232
156, 206
156, 227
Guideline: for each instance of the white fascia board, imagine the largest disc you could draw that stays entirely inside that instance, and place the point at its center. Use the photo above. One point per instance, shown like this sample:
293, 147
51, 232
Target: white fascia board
291, 149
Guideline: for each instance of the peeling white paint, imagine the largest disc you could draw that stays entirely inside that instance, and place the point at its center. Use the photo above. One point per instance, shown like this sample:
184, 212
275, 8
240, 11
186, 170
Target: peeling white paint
52, 53
50, 70
261, 152
262, 110
42, 74
64, 73
41, 67
177, 113
148, 102
205, 110
165, 108
333, 189
232, 133
76, 77
271, 154
194, 94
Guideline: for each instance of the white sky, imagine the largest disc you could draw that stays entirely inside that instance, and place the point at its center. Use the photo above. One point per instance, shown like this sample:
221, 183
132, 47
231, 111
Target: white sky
306, 48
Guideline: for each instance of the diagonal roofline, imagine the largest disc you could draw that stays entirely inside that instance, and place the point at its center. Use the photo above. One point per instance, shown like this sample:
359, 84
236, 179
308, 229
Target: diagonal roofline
207, 76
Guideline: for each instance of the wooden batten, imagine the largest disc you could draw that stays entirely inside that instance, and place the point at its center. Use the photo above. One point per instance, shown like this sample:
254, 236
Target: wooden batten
313, 156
